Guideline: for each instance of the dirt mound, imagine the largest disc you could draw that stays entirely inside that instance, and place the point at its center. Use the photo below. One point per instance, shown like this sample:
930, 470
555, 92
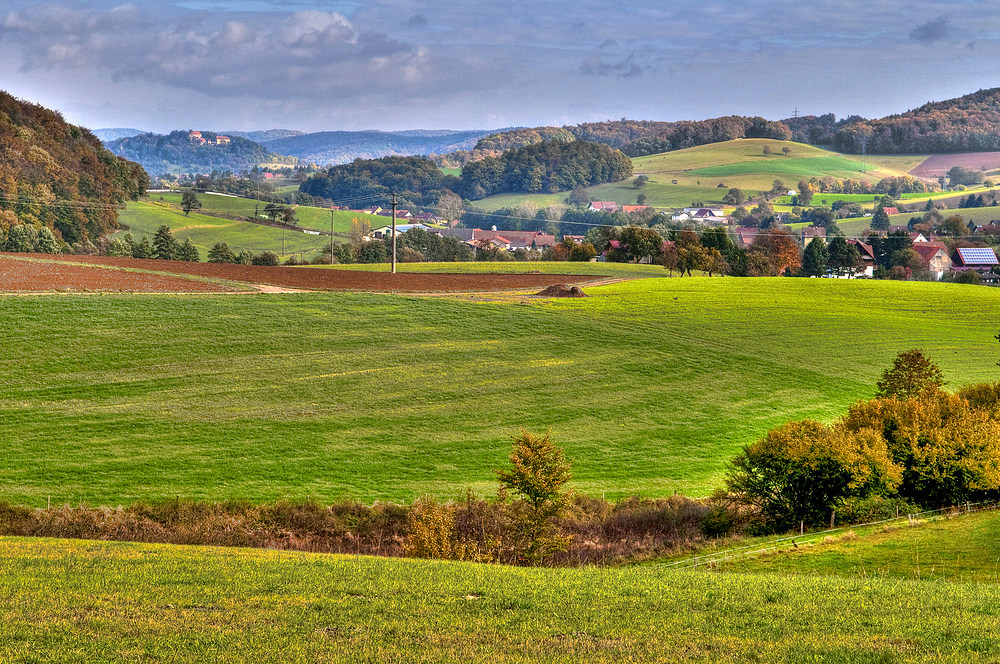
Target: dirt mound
562, 290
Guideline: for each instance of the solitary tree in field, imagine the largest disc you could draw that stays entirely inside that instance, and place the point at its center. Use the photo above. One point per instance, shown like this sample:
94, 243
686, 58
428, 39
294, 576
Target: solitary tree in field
911, 375
766, 150
189, 201
538, 472
785, 150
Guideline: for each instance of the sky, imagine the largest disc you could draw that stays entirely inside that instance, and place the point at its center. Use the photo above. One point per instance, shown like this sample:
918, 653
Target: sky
331, 65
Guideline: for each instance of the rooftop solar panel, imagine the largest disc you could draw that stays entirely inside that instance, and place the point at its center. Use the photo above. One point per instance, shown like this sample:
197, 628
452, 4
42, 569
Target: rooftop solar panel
978, 256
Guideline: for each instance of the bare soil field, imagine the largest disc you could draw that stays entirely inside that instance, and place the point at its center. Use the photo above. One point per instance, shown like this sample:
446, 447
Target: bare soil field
48, 274
18, 275
937, 165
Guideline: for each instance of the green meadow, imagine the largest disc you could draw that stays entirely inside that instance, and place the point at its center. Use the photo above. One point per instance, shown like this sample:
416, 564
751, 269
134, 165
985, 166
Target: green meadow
650, 385
610, 270
960, 549
96, 601
705, 173
306, 216
204, 230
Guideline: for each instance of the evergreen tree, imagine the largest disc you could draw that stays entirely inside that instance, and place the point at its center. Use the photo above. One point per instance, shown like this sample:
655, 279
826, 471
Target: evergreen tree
221, 253
815, 258
164, 244
880, 220
188, 252
142, 250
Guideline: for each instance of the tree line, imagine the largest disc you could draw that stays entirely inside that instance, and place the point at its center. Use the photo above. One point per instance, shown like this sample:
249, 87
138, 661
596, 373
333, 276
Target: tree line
913, 443
548, 166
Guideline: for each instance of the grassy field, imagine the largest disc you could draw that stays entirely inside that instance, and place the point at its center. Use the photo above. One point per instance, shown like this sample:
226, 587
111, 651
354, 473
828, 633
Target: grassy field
95, 601
651, 385
614, 270
963, 549
205, 230
682, 177
308, 217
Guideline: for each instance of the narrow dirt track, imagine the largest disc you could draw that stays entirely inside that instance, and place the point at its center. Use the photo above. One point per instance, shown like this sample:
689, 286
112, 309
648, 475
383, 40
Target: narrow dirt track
45, 273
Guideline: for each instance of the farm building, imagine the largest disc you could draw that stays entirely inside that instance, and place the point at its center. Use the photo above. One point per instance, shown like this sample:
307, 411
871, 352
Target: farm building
386, 231
603, 206
980, 259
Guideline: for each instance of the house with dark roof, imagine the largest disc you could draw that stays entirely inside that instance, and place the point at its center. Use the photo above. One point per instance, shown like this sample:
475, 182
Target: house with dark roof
867, 257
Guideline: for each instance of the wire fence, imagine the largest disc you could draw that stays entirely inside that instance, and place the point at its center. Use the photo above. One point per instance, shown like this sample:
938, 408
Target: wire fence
711, 559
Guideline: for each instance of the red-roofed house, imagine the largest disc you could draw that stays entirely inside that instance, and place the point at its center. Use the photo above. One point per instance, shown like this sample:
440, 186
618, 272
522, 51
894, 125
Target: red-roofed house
980, 259
867, 256
222, 140
745, 235
936, 255
629, 209
603, 206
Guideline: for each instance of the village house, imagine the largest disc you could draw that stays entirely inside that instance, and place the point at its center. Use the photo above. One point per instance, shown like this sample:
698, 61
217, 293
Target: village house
811, 232
514, 239
386, 231
603, 206
936, 256
629, 209
980, 259
867, 258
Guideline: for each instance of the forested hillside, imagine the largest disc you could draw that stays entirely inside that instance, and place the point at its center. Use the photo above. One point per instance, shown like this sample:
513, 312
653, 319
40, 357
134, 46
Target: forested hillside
175, 153
57, 176
415, 179
550, 166
970, 123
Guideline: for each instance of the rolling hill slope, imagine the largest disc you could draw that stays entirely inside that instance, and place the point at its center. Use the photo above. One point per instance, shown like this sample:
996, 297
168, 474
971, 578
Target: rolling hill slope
650, 385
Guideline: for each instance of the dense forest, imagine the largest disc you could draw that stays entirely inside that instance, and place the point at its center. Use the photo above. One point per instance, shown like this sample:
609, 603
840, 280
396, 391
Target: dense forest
691, 134
497, 143
966, 124
416, 180
174, 153
549, 166
545, 167
57, 176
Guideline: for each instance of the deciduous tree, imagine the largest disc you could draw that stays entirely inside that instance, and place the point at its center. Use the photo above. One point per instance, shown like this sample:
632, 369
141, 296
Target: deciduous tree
911, 375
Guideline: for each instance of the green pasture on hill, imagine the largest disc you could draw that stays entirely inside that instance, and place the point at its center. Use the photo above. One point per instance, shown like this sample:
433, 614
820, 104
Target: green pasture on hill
962, 549
204, 230
650, 385
306, 216
611, 270
98, 601
705, 173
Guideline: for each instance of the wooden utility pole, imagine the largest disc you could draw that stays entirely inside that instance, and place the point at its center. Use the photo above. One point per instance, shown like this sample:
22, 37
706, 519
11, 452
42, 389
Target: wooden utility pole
394, 233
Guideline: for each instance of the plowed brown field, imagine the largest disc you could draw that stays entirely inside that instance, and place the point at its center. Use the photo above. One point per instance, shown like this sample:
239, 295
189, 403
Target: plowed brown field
47, 273
937, 165
37, 276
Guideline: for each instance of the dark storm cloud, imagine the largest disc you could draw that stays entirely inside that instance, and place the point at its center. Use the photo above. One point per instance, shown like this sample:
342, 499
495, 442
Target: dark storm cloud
595, 65
931, 31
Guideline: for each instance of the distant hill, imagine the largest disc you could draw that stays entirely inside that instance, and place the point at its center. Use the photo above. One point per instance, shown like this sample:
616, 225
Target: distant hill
970, 123
341, 147
175, 153
108, 135
59, 176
